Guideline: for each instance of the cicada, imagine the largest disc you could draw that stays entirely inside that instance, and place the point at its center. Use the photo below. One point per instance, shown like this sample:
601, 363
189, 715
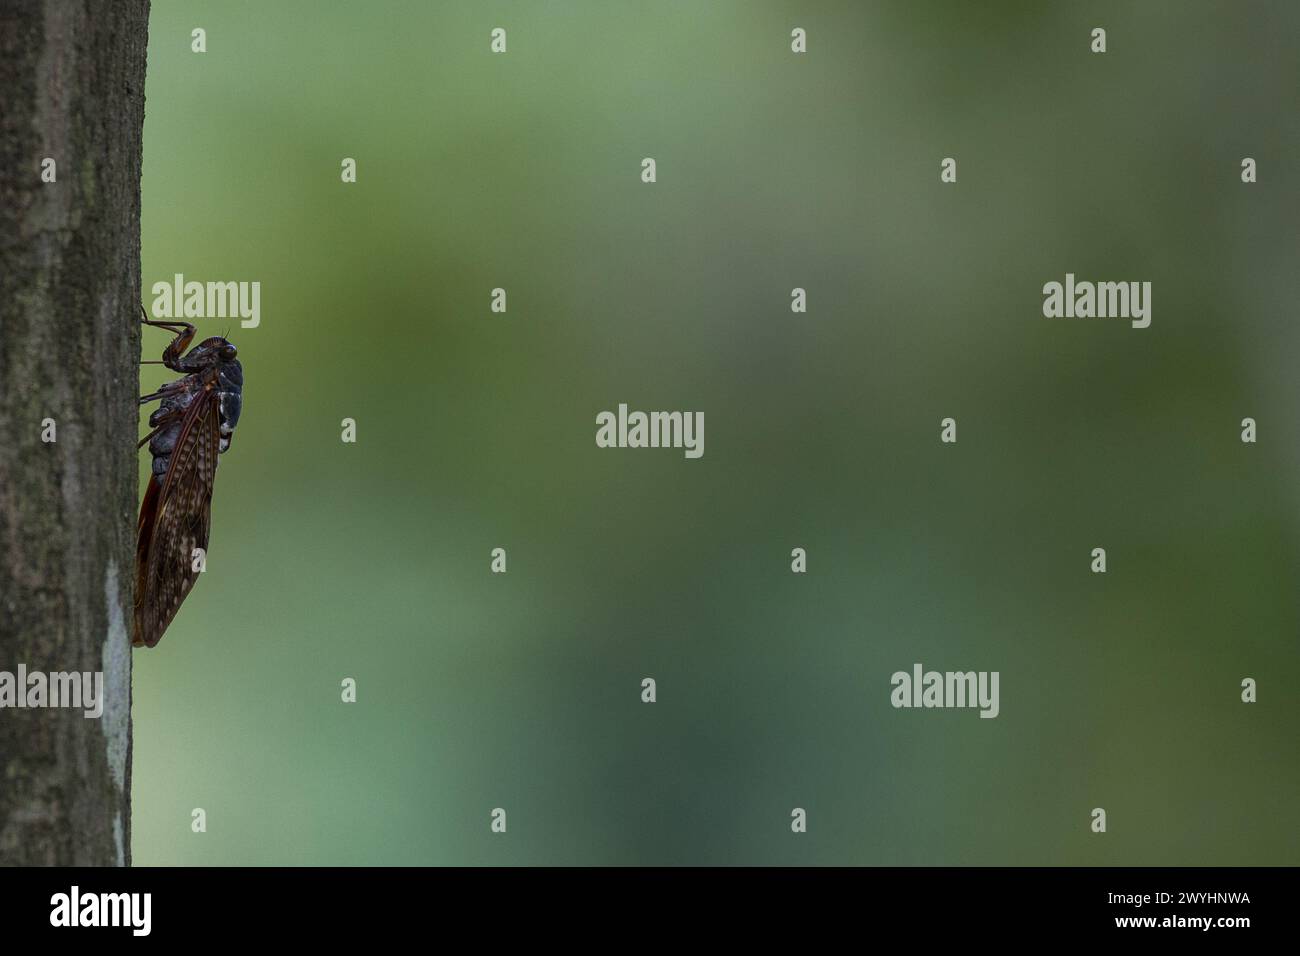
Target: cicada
192, 426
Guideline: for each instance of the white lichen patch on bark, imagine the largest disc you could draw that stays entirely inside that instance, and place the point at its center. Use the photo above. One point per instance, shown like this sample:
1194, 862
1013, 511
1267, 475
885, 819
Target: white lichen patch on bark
116, 722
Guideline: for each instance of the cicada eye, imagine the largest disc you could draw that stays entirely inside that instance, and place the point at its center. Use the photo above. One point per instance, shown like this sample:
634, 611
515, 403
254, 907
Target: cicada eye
228, 352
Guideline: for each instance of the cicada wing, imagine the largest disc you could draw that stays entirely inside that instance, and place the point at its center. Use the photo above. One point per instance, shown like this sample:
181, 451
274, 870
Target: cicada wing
176, 522
144, 535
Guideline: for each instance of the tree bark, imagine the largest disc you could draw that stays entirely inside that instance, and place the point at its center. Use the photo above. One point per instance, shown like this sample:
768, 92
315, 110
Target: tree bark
71, 90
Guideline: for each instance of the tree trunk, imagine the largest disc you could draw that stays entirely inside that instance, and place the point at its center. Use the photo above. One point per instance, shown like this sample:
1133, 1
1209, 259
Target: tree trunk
71, 91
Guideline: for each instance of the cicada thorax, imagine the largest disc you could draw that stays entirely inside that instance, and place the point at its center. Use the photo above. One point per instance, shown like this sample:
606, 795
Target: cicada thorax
230, 399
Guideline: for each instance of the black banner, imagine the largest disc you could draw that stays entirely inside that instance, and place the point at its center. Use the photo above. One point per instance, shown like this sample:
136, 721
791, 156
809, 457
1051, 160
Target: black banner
1169, 906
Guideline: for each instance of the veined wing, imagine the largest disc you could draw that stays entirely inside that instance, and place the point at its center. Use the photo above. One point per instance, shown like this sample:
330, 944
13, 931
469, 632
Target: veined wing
175, 519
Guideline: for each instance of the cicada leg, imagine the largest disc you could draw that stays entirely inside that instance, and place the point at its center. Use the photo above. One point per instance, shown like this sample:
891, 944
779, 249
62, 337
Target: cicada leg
161, 422
184, 333
169, 389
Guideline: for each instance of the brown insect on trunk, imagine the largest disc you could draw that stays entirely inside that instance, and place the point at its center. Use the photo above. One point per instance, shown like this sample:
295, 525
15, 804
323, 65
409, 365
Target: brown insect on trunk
192, 426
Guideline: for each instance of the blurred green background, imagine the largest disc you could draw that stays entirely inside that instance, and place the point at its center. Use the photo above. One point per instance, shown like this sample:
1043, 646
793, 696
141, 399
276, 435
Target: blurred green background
476, 431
